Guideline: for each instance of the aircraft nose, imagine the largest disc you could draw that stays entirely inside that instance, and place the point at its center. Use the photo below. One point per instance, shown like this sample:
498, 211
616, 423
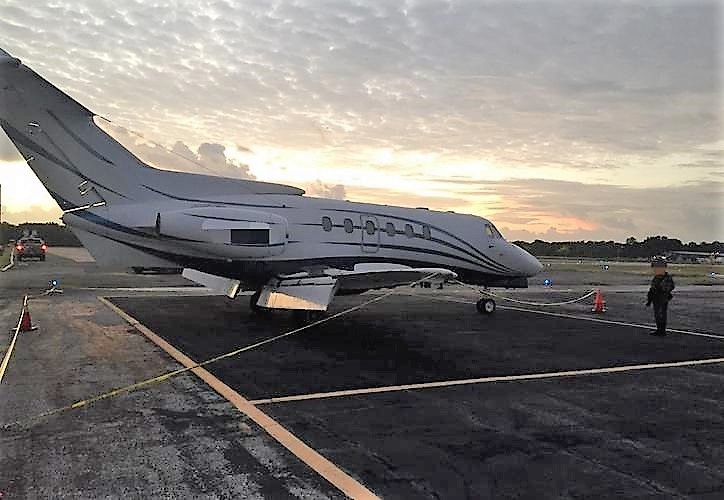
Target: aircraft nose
528, 265
532, 265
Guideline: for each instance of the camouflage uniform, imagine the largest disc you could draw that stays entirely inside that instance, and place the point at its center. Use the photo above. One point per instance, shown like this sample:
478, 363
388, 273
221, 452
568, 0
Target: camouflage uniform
660, 294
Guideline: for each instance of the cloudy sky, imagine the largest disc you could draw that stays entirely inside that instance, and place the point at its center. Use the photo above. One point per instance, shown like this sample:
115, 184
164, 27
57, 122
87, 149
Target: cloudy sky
555, 119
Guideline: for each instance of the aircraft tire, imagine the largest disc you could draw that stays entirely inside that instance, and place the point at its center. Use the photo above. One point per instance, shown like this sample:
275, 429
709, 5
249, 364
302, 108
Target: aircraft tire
485, 306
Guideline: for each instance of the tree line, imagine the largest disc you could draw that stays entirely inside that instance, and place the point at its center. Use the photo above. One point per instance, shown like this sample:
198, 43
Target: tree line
631, 249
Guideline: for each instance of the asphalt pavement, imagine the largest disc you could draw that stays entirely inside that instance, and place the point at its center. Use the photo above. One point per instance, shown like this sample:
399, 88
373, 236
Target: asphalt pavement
416, 396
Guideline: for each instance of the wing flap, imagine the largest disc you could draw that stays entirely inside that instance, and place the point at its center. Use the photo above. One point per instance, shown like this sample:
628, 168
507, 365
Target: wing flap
307, 293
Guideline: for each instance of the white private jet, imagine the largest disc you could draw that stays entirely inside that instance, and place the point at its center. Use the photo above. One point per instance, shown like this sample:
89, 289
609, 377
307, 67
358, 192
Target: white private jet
295, 252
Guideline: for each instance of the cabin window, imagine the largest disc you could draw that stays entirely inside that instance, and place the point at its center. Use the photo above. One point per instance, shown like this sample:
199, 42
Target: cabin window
370, 227
327, 223
249, 236
348, 226
488, 230
426, 232
390, 228
409, 232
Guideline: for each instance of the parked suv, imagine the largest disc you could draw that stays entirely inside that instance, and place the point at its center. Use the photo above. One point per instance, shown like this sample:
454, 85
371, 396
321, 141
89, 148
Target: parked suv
30, 247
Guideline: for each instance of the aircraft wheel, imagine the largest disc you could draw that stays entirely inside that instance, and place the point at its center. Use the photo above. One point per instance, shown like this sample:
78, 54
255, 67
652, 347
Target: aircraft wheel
303, 317
485, 306
257, 309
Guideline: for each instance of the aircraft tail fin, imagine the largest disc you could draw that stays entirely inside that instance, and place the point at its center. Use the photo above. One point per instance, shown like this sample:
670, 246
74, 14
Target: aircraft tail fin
76, 161
79, 163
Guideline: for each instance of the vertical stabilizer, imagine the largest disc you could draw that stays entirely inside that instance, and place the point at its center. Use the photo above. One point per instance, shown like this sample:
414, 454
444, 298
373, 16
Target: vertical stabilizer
77, 162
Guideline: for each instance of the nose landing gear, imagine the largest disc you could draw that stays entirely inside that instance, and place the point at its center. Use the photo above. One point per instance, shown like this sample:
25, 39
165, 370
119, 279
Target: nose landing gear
485, 306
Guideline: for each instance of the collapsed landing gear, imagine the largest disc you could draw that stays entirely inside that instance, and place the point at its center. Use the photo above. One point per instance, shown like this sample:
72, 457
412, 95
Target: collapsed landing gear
485, 306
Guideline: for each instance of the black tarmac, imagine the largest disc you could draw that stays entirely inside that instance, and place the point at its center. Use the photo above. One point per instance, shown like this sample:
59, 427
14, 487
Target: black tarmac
655, 433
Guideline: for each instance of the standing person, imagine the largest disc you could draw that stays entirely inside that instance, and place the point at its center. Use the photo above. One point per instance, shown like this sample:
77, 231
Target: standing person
660, 294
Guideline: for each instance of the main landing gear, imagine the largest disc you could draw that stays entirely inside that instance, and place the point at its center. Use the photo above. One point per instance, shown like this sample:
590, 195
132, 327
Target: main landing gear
485, 306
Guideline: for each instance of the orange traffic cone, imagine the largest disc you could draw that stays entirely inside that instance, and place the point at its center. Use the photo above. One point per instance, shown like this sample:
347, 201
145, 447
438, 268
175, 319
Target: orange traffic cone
26, 324
599, 305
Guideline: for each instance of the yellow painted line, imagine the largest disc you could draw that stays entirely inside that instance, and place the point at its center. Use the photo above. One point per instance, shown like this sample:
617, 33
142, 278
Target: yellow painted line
341, 480
486, 380
6, 358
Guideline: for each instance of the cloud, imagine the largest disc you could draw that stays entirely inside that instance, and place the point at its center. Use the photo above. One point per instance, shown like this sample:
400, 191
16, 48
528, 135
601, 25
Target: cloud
534, 207
590, 92
209, 158
321, 190
34, 213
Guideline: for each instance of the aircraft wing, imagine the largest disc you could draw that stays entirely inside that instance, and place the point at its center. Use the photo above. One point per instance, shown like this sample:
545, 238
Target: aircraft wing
314, 289
371, 276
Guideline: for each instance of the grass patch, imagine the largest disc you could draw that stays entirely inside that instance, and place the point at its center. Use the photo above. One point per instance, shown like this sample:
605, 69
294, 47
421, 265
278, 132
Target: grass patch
635, 268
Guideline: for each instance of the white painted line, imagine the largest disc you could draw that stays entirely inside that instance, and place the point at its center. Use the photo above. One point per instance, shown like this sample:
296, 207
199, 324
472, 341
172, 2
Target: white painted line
614, 322
582, 318
337, 477
191, 291
12, 260
486, 380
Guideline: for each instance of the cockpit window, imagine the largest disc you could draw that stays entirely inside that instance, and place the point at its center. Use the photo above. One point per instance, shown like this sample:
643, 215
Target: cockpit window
492, 231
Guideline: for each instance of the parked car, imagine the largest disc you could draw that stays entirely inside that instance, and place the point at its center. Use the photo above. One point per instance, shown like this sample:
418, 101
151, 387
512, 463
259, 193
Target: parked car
30, 248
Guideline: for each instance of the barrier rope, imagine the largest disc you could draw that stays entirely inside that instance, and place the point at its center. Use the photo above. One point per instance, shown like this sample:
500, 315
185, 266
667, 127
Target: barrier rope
168, 375
525, 302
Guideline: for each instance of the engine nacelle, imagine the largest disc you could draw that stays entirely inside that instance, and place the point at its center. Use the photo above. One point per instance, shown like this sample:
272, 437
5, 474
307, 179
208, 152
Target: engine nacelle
234, 232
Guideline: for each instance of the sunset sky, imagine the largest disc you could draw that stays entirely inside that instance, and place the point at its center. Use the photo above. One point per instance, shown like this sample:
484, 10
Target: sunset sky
557, 120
